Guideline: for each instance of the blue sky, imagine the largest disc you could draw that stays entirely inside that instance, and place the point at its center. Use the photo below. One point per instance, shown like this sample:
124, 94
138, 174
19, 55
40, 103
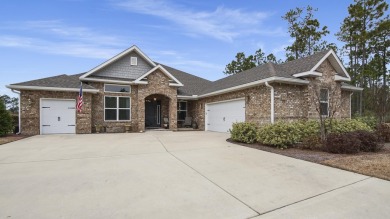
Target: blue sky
46, 38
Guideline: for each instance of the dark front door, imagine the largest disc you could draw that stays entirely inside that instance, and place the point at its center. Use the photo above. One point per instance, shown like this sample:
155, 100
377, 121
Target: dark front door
152, 113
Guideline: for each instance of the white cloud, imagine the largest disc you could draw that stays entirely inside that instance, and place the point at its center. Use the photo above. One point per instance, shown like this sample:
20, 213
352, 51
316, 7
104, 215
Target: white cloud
56, 37
223, 23
71, 48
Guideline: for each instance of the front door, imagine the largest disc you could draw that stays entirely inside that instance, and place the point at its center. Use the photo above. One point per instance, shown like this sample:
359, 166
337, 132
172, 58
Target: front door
152, 113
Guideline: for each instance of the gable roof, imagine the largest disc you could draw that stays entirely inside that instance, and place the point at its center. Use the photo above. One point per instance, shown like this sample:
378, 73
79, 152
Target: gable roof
163, 70
134, 48
193, 85
56, 83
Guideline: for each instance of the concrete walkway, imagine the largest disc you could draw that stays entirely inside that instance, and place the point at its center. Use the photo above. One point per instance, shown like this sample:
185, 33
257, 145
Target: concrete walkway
174, 175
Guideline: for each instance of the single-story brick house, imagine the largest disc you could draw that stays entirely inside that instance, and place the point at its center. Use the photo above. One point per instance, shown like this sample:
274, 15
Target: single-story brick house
132, 91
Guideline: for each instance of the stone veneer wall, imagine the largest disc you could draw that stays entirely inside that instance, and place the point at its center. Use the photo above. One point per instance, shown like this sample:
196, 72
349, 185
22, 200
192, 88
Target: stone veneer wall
339, 101
98, 109
158, 83
257, 105
30, 110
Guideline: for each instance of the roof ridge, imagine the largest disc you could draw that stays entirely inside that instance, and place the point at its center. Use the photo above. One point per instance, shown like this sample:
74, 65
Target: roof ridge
271, 68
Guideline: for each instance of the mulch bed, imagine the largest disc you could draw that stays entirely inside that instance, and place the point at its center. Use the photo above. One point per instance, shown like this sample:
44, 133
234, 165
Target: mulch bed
11, 137
368, 163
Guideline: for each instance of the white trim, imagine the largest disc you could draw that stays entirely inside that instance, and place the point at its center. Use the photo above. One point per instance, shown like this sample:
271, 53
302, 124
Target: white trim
104, 88
19, 118
318, 74
118, 56
182, 97
255, 83
206, 105
340, 78
20, 87
272, 102
308, 73
351, 88
40, 112
117, 109
106, 81
178, 83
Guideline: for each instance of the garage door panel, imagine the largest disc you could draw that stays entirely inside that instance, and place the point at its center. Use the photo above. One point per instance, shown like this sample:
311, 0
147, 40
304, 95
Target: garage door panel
58, 116
221, 116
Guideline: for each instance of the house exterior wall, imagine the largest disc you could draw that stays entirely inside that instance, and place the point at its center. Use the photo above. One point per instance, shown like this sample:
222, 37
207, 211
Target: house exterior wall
98, 109
339, 101
290, 102
158, 83
257, 105
30, 110
121, 68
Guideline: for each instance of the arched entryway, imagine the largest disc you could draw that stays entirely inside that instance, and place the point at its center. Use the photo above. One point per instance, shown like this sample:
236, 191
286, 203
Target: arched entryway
157, 111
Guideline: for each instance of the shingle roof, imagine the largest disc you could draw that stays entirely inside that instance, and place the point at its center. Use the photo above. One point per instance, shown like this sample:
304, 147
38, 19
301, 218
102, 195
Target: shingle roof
267, 70
62, 81
193, 85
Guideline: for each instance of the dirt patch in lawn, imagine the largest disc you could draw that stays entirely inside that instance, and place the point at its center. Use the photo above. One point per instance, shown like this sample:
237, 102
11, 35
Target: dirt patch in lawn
368, 163
11, 137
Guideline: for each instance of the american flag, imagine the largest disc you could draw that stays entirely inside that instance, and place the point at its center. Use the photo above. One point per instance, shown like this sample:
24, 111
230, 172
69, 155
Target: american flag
80, 99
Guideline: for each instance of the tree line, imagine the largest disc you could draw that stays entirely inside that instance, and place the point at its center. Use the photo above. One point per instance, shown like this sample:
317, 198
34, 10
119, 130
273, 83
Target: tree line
365, 35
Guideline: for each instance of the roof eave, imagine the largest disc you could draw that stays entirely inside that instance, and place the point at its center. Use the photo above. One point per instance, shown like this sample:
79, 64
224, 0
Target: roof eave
351, 88
256, 83
21, 87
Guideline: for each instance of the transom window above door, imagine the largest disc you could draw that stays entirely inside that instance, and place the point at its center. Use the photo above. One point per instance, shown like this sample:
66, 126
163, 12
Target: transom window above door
116, 88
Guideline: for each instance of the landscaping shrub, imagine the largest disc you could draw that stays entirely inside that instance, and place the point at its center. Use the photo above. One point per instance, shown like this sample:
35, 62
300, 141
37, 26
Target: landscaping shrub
371, 121
5, 120
244, 132
312, 142
280, 134
370, 141
383, 131
342, 143
345, 125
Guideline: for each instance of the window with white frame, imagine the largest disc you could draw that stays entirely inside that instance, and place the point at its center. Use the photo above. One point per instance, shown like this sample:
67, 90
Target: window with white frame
116, 88
324, 102
181, 110
116, 108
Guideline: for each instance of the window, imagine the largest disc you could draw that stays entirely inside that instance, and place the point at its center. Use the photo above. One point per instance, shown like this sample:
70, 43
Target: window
133, 60
113, 88
324, 102
116, 108
181, 110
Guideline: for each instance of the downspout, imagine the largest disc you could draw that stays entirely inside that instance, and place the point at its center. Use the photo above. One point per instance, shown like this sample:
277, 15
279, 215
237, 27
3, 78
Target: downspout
272, 102
350, 105
20, 127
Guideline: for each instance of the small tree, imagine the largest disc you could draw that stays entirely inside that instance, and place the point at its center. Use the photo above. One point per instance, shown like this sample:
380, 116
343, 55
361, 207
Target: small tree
5, 120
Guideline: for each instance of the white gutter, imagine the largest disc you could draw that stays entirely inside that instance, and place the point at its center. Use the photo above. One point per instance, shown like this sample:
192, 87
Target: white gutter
351, 88
19, 122
20, 87
182, 97
255, 83
272, 102
107, 81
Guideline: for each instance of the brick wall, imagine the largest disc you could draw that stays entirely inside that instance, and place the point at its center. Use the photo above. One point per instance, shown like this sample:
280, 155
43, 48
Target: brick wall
30, 110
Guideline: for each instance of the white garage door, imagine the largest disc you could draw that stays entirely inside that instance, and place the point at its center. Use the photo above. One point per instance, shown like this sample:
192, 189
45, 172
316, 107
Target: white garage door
221, 116
58, 116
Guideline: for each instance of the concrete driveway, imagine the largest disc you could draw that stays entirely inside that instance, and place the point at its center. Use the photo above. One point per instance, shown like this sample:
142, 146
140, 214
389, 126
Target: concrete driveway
175, 175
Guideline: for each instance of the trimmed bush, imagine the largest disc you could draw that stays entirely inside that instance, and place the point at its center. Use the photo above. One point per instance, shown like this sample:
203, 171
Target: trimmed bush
383, 131
5, 120
280, 134
346, 125
312, 142
342, 143
371, 121
370, 142
244, 132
